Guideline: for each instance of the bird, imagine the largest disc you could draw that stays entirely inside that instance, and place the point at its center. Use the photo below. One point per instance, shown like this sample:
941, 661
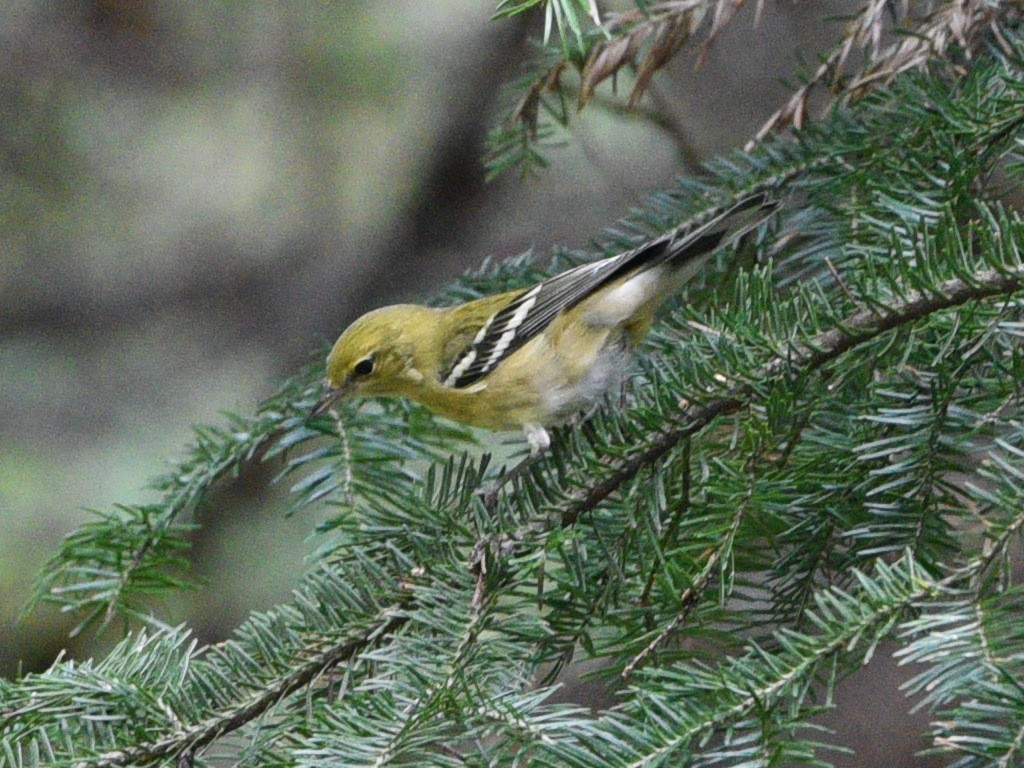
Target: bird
535, 357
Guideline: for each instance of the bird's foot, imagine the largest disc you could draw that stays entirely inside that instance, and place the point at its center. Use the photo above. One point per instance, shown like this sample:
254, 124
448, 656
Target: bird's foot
539, 441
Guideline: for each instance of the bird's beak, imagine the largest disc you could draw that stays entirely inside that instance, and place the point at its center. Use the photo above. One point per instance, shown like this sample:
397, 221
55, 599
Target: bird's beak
330, 397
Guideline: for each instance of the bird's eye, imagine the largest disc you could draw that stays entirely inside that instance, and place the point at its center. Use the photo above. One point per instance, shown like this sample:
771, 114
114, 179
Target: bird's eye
364, 367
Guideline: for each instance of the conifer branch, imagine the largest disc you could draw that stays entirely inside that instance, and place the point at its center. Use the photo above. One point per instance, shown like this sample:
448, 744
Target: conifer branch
801, 359
787, 674
189, 740
691, 595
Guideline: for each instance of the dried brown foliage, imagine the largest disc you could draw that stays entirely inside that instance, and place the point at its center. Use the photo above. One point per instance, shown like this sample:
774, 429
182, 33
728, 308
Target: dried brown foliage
893, 36
927, 32
642, 40
646, 40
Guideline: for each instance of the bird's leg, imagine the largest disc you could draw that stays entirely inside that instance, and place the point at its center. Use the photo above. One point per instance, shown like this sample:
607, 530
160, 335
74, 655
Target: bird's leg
539, 441
538, 438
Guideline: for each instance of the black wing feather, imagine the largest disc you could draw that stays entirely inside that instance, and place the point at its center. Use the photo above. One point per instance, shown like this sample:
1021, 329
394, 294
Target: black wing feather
531, 312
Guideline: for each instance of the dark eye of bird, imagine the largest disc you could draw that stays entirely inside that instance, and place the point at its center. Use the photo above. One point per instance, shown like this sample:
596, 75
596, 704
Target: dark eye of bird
364, 367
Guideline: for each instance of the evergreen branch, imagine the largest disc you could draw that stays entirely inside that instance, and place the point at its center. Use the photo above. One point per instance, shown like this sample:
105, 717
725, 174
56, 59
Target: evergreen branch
1015, 748
801, 359
126, 547
109, 566
422, 710
974, 651
842, 618
815, 353
996, 545
691, 595
188, 741
754, 682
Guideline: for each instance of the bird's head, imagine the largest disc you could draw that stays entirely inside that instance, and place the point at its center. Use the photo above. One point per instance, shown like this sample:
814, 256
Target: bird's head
379, 354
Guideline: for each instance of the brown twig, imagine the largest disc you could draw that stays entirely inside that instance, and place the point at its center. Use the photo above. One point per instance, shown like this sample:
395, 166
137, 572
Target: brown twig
927, 38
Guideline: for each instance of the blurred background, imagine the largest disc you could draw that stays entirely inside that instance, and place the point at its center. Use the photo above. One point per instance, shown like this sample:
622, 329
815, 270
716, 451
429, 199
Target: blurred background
196, 196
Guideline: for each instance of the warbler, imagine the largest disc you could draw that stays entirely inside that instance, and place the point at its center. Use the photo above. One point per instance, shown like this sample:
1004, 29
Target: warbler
530, 358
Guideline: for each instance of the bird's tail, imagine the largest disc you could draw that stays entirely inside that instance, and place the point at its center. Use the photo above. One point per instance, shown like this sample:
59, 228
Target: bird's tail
724, 229
684, 251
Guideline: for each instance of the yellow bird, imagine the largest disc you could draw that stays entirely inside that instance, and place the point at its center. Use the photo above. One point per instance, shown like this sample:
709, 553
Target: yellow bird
530, 358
